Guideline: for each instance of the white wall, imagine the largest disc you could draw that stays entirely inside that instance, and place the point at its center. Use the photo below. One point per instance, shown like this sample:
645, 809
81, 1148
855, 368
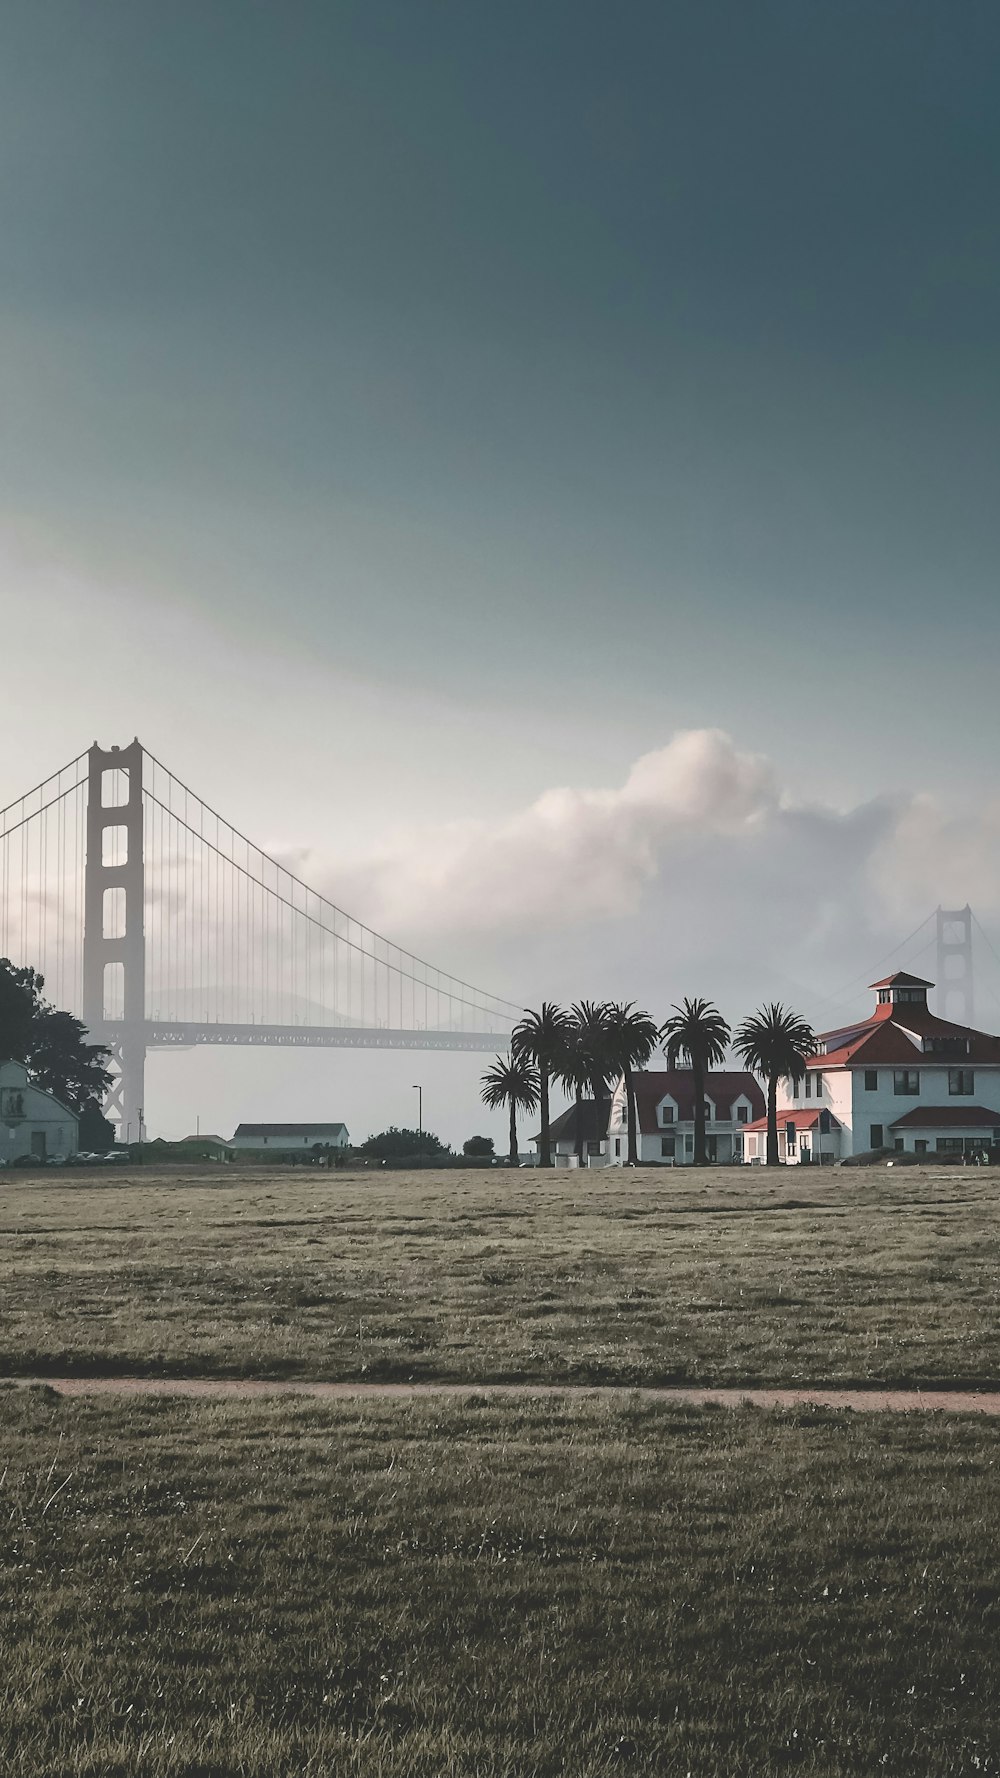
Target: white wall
857, 1109
39, 1115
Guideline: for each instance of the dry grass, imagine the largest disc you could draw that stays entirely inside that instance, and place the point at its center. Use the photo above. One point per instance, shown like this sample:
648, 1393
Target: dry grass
494, 1590
645, 1277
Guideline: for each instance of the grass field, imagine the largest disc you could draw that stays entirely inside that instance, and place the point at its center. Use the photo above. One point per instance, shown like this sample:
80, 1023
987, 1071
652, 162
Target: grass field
494, 1590
728, 1276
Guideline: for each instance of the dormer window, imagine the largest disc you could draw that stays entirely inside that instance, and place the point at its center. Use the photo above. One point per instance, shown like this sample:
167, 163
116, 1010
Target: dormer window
667, 1114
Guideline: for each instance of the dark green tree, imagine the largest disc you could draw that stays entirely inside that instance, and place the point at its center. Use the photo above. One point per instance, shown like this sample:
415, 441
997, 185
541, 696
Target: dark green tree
511, 1084
53, 1047
698, 1031
97, 1133
573, 1073
589, 1019
399, 1144
20, 1001
478, 1146
63, 1063
538, 1038
776, 1045
631, 1037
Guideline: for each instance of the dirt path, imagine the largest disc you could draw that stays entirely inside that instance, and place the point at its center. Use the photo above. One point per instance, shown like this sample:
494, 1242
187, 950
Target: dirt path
865, 1400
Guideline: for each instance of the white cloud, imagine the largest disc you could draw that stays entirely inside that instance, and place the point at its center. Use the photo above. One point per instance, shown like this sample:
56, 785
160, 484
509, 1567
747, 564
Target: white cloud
937, 854
697, 873
571, 857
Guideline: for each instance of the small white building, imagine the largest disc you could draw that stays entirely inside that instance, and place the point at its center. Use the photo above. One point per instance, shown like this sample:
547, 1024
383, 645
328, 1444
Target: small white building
664, 1103
562, 1137
289, 1139
33, 1123
902, 1079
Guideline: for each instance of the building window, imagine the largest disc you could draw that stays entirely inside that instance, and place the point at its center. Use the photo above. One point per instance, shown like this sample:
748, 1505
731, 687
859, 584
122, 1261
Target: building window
595, 1148
809, 1086
906, 1082
949, 1145
709, 1113
875, 1136
871, 1080
819, 1086
884, 997
689, 1145
899, 1145
961, 1081
920, 1146
742, 1114
618, 1148
668, 1146
666, 1114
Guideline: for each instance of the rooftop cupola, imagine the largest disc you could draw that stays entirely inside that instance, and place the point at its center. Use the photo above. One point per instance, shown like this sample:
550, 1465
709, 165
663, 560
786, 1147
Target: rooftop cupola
902, 990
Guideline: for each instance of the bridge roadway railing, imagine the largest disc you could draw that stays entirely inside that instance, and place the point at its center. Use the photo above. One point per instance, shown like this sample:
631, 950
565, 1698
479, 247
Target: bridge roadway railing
169, 1034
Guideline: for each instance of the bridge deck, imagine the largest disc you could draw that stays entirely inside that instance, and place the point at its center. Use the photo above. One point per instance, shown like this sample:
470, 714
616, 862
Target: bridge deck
169, 1034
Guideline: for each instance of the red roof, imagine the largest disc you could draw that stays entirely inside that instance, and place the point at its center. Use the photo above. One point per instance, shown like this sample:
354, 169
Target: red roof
894, 1035
948, 1117
901, 980
803, 1120
723, 1089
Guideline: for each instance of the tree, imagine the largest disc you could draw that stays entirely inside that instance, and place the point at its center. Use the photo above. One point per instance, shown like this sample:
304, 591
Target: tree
478, 1146
53, 1047
698, 1031
775, 1044
512, 1082
395, 1144
97, 1133
62, 1063
573, 1072
590, 1025
631, 1038
20, 1001
538, 1038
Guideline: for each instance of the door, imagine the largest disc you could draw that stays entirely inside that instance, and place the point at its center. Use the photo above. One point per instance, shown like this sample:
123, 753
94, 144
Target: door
38, 1144
711, 1148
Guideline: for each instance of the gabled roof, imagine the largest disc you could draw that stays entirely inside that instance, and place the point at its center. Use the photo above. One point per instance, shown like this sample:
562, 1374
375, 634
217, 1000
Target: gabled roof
901, 980
803, 1119
316, 1130
563, 1127
722, 1088
948, 1117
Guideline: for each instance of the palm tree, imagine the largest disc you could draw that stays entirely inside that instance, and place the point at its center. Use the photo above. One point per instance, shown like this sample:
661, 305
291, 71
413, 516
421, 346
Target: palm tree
775, 1044
632, 1037
511, 1081
698, 1031
590, 1026
538, 1038
572, 1069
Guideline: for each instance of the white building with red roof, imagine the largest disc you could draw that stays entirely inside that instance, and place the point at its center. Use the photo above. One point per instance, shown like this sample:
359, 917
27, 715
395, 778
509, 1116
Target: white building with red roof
901, 1080
664, 1104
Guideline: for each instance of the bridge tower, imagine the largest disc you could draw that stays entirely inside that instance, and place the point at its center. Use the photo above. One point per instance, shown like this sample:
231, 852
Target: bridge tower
954, 964
114, 942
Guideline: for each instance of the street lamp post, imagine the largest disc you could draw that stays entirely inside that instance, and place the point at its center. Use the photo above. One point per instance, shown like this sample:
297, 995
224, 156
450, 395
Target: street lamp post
420, 1122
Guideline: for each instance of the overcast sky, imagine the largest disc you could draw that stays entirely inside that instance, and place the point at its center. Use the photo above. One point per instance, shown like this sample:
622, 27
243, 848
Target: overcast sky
409, 411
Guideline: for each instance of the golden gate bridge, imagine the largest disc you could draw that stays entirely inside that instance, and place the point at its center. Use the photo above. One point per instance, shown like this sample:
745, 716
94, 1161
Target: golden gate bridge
162, 926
